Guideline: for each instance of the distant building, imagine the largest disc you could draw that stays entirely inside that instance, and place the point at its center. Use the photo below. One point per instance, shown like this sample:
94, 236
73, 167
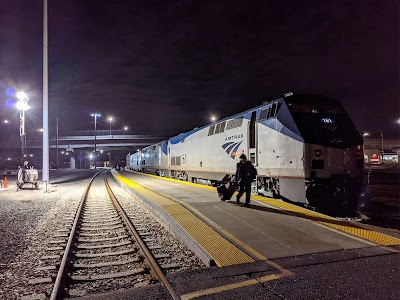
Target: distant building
378, 150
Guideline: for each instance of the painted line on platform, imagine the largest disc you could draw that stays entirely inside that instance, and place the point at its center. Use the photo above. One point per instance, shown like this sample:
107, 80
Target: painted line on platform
236, 285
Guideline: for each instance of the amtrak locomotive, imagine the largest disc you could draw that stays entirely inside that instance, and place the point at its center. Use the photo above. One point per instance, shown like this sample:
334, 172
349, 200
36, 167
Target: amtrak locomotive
305, 147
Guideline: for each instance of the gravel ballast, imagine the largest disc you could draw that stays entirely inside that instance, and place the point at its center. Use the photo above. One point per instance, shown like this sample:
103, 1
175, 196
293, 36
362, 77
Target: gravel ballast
29, 219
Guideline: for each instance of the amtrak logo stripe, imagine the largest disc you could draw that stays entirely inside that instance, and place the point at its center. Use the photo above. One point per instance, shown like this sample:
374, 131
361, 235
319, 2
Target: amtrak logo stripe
231, 148
233, 153
228, 150
226, 145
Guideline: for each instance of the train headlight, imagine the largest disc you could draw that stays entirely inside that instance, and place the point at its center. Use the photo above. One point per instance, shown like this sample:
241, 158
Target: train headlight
318, 153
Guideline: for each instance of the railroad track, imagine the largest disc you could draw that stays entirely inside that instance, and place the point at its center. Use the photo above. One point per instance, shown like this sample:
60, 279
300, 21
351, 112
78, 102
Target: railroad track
102, 248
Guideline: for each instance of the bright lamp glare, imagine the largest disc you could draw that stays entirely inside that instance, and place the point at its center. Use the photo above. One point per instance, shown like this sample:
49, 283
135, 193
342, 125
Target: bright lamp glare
21, 105
22, 96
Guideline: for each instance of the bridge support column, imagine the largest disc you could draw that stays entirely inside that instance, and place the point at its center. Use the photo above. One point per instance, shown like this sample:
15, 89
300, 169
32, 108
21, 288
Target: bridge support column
72, 162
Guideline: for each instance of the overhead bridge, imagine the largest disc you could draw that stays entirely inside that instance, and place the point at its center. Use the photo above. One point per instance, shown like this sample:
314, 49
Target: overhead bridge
87, 141
105, 142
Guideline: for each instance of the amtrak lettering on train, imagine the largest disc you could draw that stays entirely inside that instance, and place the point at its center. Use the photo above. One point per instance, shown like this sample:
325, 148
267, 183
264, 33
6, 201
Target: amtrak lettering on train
305, 147
237, 136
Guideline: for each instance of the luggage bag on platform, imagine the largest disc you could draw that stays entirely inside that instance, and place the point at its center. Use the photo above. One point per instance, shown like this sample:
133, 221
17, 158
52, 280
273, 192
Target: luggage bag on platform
225, 191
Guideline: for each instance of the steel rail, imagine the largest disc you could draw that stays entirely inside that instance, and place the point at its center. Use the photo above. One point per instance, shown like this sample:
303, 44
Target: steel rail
59, 283
154, 267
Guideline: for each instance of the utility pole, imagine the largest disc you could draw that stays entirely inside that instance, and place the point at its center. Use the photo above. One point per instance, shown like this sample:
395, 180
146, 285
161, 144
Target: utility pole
95, 115
95, 141
383, 151
57, 119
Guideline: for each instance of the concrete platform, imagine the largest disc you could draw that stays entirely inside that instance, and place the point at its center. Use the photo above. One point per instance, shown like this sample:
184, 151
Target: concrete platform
268, 229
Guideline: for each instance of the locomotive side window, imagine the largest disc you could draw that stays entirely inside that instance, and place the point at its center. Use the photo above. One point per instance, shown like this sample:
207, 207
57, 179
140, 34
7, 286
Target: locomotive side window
270, 111
264, 114
274, 109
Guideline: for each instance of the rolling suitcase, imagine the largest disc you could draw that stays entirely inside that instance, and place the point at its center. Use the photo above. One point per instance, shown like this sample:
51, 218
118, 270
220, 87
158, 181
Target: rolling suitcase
225, 191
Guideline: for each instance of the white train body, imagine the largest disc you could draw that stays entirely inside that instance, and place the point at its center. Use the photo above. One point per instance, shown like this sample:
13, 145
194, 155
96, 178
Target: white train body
305, 149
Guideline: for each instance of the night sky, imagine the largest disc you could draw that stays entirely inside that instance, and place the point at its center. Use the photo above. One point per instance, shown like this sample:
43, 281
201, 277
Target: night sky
164, 67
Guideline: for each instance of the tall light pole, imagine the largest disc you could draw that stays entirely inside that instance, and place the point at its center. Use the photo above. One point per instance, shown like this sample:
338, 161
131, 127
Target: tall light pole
110, 119
22, 106
45, 171
95, 115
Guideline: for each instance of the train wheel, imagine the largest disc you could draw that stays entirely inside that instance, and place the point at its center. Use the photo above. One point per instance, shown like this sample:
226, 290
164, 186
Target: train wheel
185, 176
275, 195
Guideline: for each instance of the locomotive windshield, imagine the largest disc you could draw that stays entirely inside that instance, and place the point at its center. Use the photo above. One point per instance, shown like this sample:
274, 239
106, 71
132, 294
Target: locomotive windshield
316, 108
323, 121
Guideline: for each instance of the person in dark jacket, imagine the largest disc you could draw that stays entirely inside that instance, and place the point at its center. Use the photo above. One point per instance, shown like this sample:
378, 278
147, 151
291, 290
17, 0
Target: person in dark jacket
245, 174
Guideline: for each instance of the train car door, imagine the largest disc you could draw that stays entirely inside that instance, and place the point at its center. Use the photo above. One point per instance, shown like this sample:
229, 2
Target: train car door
252, 139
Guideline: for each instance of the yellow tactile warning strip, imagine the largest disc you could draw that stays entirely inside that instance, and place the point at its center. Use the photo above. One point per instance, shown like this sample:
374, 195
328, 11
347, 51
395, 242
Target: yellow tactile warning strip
346, 227
222, 251
343, 226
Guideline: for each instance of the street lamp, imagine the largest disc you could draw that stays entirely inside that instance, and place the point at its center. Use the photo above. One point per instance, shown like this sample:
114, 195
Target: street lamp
110, 119
95, 115
213, 118
22, 106
126, 128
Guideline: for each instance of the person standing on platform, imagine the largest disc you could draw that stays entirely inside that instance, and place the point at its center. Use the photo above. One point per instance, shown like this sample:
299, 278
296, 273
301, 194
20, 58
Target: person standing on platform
245, 174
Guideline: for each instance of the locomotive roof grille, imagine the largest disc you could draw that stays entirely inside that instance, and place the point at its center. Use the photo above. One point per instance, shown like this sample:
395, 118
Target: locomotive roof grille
234, 123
